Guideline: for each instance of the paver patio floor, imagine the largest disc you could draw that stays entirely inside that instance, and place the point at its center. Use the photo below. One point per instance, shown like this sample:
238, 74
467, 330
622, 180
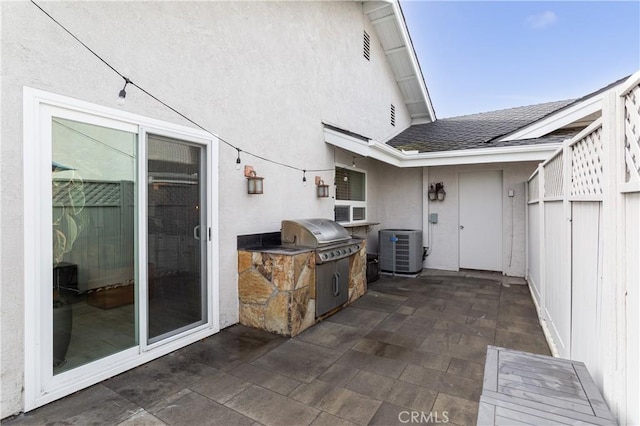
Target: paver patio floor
410, 348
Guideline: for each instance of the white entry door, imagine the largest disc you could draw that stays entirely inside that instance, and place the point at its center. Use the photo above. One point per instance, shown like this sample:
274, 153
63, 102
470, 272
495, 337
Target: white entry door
480, 220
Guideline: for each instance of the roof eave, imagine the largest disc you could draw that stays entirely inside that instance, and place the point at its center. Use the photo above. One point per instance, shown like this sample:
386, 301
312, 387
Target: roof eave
556, 120
571, 113
412, 85
387, 154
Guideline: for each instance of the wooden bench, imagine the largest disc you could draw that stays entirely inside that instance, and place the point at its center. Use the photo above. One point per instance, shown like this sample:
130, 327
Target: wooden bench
527, 389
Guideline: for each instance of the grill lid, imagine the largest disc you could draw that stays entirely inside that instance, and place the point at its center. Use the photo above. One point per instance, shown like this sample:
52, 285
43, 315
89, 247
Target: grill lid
312, 232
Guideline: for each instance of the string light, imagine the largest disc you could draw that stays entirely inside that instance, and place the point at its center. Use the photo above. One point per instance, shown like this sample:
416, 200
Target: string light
122, 95
238, 161
304, 177
353, 162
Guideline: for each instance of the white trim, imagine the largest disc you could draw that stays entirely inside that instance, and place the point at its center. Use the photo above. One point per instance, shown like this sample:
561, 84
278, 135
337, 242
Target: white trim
629, 84
403, 33
352, 203
586, 131
40, 386
142, 242
31, 211
557, 120
390, 155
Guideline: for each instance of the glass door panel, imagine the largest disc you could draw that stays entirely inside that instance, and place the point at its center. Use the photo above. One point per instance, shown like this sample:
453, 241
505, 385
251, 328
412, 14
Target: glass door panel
176, 237
93, 177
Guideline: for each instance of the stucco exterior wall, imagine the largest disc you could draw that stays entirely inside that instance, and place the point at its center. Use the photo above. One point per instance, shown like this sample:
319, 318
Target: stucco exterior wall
444, 240
398, 199
262, 75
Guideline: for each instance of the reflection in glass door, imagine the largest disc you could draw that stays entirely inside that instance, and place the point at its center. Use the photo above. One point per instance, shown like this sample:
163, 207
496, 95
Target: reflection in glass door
93, 172
176, 237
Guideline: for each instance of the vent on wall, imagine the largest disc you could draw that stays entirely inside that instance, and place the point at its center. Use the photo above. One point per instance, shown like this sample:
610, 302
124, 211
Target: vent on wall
393, 115
367, 46
342, 214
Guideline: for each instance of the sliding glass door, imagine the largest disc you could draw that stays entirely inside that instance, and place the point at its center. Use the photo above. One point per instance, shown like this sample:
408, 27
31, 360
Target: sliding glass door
177, 236
93, 186
119, 254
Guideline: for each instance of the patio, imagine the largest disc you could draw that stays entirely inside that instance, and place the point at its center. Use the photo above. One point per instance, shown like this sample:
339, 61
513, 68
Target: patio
410, 348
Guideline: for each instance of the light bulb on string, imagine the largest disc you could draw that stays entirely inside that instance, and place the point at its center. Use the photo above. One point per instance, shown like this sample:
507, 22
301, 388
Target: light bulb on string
123, 93
353, 162
238, 161
304, 177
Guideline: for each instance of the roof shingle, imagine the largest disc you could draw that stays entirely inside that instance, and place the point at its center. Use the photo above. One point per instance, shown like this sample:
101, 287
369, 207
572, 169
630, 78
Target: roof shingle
473, 131
484, 130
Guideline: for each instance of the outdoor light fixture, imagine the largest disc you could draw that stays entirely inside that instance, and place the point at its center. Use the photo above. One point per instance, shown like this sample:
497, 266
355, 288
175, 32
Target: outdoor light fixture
323, 190
437, 192
440, 191
123, 93
254, 183
238, 161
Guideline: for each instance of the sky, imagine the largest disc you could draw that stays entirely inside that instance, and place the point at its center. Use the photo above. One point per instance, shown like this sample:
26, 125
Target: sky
479, 56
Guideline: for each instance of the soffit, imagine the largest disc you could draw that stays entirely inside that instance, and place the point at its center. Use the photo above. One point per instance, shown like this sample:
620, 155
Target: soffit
388, 22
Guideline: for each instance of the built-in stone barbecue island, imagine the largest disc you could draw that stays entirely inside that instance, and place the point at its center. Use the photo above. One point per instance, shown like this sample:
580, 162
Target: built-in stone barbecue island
291, 280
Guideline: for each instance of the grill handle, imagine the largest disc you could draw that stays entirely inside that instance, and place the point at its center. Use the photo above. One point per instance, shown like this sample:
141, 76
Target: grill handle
335, 280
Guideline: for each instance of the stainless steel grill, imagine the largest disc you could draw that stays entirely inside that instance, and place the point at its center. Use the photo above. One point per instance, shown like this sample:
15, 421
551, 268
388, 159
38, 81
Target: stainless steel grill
332, 245
329, 239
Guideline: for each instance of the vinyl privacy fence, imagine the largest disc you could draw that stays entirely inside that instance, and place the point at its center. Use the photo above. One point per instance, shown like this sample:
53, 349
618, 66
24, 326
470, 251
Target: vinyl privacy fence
583, 250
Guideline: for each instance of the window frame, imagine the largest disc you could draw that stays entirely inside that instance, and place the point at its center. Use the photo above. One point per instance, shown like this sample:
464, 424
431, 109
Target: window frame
352, 203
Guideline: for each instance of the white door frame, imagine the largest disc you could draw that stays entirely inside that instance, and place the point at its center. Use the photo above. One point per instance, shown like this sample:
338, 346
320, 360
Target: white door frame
40, 386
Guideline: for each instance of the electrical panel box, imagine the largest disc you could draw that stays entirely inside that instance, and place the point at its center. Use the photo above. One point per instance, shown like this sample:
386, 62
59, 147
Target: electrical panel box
400, 250
433, 218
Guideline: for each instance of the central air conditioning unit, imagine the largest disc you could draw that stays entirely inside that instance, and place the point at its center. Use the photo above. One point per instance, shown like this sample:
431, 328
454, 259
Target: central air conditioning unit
400, 250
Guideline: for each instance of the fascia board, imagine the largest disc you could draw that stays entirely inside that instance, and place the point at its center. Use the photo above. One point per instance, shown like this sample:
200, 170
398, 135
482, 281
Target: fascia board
383, 152
355, 145
480, 156
387, 154
404, 32
408, 47
557, 120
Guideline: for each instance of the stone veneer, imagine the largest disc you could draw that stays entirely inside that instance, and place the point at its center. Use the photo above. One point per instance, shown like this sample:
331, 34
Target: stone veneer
277, 291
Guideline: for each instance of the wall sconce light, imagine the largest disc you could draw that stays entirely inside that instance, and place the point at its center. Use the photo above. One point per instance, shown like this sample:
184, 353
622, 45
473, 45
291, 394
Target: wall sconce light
437, 192
254, 183
323, 190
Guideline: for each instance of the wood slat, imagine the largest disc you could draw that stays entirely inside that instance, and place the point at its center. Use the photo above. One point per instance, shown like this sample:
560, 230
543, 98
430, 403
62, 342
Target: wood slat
567, 373
507, 354
507, 384
513, 417
554, 414
537, 363
541, 383
548, 378
581, 406
486, 414
511, 421
595, 398
535, 389
490, 380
